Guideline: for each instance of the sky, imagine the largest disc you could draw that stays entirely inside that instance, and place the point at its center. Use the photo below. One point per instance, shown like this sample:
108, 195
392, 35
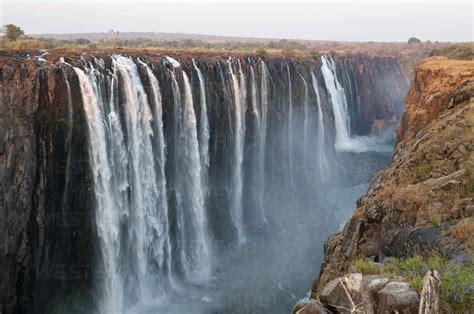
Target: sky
318, 20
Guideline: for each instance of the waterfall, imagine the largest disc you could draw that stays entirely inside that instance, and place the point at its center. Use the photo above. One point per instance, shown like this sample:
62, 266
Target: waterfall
204, 125
338, 102
263, 133
239, 133
193, 242
70, 122
109, 206
161, 250
322, 159
305, 122
290, 128
171, 200
200, 251
144, 190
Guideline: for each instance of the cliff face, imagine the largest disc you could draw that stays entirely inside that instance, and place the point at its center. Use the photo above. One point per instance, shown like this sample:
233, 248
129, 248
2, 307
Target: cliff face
413, 206
45, 234
369, 83
48, 234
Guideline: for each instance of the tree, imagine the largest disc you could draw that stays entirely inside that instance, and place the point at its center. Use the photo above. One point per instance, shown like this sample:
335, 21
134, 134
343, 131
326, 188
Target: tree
12, 32
414, 40
261, 52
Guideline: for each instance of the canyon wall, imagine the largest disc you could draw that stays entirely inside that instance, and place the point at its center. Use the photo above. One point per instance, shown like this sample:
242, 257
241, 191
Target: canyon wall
51, 238
418, 205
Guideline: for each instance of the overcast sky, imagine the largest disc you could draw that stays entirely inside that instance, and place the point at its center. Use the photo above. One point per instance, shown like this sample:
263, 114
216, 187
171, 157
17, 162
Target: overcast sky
320, 20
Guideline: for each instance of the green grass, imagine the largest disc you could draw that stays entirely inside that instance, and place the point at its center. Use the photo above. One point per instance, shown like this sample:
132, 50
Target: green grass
457, 278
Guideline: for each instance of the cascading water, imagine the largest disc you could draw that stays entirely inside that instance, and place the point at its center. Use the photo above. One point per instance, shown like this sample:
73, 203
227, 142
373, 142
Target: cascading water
161, 250
70, 122
290, 128
192, 243
204, 126
239, 91
322, 159
263, 134
110, 204
339, 104
305, 121
338, 100
177, 178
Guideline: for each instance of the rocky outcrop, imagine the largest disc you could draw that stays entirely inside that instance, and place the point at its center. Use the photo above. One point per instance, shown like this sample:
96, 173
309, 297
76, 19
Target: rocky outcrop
357, 293
412, 205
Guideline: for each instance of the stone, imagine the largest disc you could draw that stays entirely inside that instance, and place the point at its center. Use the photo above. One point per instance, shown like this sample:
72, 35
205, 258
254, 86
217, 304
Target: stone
450, 184
435, 207
297, 307
430, 294
469, 210
451, 103
459, 99
333, 294
352, 292
397, 297
374, 283
312, 307
455, 212
462, 149
467, 201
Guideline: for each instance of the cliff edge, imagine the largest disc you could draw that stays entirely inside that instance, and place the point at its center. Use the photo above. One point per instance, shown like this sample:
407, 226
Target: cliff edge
420, 207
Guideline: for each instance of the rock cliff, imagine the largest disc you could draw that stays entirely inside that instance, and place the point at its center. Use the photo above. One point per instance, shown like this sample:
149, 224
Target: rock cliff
422, 203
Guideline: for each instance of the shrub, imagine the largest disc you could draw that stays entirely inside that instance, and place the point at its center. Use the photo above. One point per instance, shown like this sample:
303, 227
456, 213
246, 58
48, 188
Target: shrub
366, 267
261, 52
458, 290
463, 231
314, 54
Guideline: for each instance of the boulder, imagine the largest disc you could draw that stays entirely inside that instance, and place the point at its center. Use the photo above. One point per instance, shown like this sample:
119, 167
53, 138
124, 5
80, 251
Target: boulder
297, 307
397, 297
351, 293
450, 184
431, 293
469, 210
312, 307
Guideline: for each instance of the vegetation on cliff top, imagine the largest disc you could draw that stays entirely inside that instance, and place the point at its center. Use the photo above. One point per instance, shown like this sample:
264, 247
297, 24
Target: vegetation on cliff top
409, 54
457, 276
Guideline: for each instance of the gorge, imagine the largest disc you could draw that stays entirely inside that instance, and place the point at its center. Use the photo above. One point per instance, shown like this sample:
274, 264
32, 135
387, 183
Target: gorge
143, 183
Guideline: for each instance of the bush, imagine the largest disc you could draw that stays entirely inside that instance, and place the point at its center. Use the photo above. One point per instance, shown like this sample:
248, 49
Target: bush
463, 231
314, 54
261, 52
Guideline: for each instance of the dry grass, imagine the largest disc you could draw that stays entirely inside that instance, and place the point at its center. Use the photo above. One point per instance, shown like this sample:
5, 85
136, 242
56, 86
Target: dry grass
448, 65
463, 231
